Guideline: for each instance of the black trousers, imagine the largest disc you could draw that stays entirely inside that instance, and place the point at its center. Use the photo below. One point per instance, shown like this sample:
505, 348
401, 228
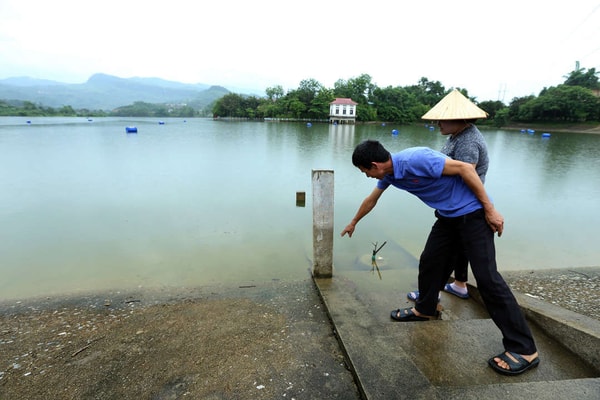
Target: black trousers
472, 233
460, 265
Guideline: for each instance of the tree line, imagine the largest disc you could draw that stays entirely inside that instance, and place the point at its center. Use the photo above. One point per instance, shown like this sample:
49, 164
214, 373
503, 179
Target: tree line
574, 101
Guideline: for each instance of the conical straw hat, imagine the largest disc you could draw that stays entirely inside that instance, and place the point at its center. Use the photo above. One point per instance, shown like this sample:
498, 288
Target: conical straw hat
454, 106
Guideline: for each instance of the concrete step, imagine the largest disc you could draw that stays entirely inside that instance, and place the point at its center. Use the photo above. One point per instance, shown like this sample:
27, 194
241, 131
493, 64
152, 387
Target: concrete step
446, 358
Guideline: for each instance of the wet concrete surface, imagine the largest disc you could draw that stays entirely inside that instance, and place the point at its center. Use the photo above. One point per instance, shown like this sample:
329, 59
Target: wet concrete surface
448, 358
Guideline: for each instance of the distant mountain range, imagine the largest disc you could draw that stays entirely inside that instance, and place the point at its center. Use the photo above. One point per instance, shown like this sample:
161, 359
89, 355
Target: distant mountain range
106, 92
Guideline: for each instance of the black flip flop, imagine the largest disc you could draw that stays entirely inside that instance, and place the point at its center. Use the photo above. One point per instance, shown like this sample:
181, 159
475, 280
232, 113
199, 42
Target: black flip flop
406, 315
516, 368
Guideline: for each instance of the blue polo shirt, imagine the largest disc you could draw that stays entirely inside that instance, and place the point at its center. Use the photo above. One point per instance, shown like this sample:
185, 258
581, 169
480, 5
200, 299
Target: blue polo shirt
418, 170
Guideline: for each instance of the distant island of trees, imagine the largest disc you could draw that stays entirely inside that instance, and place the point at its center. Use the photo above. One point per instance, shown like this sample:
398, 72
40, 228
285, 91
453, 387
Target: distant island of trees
137, 109
576, 100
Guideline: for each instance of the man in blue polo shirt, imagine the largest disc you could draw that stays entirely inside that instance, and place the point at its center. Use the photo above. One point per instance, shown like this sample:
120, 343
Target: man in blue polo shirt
466, 218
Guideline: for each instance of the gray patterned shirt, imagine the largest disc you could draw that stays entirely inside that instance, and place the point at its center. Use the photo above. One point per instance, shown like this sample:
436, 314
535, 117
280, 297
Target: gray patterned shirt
469, 146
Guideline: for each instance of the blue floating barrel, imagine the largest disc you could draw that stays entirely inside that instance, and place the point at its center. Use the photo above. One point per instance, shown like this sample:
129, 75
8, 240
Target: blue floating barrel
546, 135
431, 127
383, 124
28, 121
161, 122
309, 124
523, 131
90, 120
131, 129
530, 130
394, 131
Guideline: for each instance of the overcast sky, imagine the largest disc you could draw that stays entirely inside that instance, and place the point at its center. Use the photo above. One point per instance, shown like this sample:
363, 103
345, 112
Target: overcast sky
496, 50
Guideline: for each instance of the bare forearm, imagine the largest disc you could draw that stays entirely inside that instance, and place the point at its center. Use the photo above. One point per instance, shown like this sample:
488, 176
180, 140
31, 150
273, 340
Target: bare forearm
474, 183
467, 172
365, 207
494, 218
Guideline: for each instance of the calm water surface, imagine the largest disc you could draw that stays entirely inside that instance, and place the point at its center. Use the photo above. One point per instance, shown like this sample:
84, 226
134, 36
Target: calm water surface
85, 206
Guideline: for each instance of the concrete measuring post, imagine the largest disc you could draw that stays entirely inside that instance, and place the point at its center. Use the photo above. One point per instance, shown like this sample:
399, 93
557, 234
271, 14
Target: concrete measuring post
322, 188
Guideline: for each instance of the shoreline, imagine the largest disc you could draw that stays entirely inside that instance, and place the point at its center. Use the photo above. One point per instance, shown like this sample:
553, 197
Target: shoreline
574, 128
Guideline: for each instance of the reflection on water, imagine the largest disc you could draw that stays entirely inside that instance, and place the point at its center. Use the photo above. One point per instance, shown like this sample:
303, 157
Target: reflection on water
85, 206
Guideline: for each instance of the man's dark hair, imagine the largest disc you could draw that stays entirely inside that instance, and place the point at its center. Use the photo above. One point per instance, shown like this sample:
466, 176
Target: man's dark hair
368, 152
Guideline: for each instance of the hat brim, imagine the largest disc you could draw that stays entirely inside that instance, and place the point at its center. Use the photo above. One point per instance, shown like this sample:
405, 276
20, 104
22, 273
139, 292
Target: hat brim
454, 106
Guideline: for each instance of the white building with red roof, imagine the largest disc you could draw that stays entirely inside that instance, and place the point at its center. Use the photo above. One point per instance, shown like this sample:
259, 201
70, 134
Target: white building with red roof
342, 111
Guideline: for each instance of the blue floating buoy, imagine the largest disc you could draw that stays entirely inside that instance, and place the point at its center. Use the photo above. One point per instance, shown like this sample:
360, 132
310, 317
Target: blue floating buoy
309, 124
161, 122
131, 129
523, 131
431, 128
546, 135
394, 131
530, 130
383, 124
90, 120
28, 121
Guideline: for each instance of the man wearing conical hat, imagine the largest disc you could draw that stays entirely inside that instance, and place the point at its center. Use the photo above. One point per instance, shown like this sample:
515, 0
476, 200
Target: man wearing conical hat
455, 115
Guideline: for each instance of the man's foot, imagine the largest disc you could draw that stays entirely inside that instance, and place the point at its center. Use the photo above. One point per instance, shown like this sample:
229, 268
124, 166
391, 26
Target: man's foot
409, 315
511, 363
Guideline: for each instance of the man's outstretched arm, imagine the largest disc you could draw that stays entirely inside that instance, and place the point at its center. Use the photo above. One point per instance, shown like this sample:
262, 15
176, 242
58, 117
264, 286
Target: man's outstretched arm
365, 207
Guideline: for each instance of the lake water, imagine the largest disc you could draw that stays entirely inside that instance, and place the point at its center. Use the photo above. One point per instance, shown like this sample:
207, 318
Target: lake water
85, 206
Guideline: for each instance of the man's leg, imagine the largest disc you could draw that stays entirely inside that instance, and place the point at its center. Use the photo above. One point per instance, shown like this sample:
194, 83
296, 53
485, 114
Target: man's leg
501, 304
434, 265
